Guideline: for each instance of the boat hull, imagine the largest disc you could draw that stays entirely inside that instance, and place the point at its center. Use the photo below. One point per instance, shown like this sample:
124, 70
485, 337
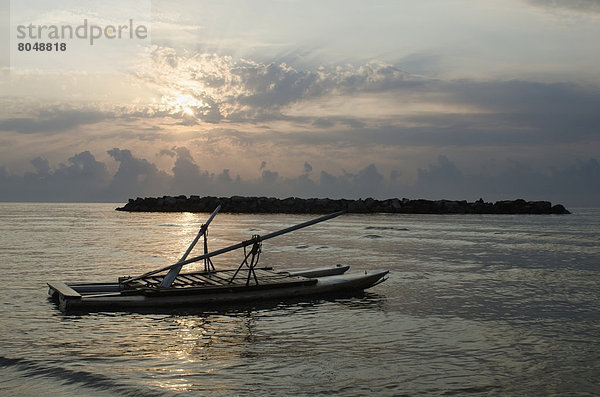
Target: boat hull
70, 300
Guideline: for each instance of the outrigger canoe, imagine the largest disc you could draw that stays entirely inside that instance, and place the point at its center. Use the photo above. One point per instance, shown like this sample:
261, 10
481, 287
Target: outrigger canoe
169, 288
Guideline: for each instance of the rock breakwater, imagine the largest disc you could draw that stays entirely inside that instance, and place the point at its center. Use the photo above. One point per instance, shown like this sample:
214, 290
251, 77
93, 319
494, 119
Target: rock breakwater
295, 205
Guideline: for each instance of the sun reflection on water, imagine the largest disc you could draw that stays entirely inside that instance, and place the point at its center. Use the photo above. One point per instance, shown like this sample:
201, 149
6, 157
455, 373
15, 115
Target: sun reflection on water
211, 343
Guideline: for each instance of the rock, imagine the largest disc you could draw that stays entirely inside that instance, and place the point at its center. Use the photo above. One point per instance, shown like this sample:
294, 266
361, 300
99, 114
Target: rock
559, 210
295, 205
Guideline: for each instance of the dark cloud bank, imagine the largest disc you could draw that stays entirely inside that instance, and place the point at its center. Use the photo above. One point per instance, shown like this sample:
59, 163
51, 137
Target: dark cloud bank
84, 179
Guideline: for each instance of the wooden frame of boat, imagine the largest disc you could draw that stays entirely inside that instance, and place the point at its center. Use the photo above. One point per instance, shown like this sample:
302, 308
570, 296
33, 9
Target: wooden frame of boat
168, 287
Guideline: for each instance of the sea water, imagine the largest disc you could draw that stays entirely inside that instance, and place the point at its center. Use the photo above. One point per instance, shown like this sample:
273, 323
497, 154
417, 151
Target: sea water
474, 305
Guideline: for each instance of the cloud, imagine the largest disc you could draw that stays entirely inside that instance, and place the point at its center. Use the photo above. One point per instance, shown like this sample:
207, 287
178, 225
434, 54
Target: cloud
186, 173
218, 88
441, 172
370, 180
539, 104
83, 178
370, 104
269, 177
307, 168
274, 86
572, 185
52, 121
340, 117
224, 177
41, 165
466, 112
135, 175
167, 152
573, 5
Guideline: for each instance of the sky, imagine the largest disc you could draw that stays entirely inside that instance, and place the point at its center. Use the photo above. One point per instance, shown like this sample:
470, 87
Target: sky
436, 99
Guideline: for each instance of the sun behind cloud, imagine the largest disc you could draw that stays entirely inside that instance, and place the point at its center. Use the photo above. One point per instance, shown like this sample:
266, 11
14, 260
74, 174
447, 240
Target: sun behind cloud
183, 104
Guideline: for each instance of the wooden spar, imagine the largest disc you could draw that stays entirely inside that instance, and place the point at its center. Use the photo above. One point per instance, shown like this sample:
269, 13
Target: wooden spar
203, 229
172, 275
243, 244
262, 238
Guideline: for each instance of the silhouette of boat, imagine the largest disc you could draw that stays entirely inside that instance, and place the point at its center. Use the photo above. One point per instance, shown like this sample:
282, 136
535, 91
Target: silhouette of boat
169, 288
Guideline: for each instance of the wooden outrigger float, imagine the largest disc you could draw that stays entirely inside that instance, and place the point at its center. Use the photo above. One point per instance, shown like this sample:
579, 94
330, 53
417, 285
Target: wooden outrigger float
168, 287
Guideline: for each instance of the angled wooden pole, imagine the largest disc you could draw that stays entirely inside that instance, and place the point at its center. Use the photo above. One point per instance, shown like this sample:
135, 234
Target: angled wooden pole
174, 272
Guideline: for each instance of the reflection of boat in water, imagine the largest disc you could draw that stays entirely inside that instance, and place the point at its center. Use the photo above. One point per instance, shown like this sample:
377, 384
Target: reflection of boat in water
168, 287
